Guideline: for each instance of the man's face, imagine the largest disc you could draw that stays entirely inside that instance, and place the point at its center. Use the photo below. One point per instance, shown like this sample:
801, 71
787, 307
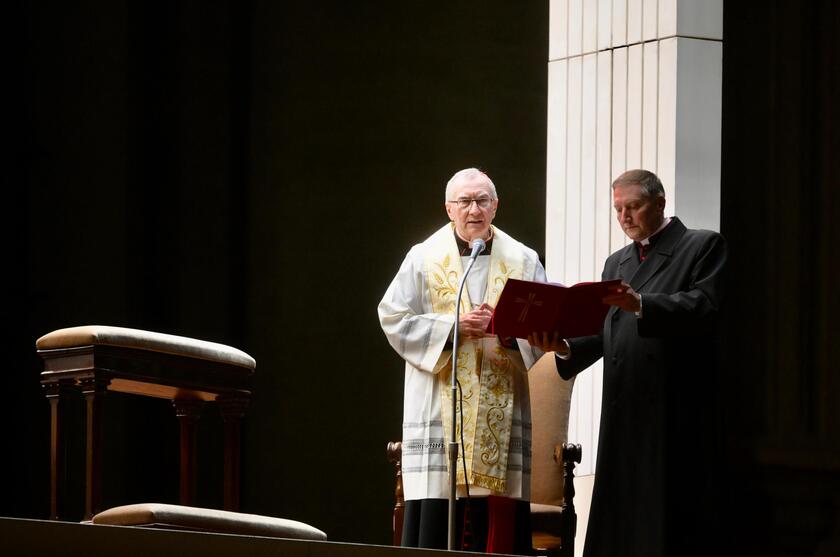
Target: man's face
639, 215
472, 221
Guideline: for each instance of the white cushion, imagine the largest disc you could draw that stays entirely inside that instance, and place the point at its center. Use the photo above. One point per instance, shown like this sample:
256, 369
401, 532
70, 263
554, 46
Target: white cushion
145, 340
207, 520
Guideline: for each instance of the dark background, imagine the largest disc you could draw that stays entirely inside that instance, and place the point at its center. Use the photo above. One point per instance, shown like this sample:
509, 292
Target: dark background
253, 172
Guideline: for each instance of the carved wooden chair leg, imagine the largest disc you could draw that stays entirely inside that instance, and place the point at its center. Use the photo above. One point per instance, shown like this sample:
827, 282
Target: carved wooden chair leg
394, 451
568, 454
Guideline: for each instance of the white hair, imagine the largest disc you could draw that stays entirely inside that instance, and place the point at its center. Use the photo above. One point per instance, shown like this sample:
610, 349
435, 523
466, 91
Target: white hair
469, 174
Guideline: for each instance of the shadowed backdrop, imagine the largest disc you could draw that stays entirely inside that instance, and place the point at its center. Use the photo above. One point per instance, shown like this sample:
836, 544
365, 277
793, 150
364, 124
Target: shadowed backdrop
253, 172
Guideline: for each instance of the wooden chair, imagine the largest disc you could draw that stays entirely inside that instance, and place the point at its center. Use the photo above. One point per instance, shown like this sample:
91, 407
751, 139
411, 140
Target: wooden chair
553, 517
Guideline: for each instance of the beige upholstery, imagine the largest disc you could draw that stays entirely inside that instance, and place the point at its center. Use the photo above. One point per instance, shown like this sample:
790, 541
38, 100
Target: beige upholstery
550, 400
207, 520
145, 340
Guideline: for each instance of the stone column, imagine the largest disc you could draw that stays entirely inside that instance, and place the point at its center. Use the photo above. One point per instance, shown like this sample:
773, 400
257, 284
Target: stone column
632, 84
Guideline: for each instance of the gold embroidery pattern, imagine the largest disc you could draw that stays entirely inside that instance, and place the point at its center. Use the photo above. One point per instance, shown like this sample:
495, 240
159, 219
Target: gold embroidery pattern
490, 452
485, 370
466, 362
497, 393
500, 279
445, 285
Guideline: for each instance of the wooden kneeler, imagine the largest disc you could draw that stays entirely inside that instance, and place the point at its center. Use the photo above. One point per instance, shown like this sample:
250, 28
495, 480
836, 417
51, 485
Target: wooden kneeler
96, 359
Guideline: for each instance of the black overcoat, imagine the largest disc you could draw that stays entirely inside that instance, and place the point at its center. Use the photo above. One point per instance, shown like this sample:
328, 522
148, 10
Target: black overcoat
659, 426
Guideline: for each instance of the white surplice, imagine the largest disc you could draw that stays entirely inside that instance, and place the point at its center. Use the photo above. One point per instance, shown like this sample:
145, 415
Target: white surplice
420, 337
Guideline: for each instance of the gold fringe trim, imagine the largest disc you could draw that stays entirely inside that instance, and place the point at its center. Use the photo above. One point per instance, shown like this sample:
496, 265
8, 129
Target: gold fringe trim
496, 485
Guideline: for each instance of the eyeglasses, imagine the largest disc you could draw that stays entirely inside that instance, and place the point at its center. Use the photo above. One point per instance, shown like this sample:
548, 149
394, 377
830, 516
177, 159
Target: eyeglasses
483, 202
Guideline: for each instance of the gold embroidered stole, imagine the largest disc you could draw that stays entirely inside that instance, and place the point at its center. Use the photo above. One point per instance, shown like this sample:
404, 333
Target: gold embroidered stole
485, 370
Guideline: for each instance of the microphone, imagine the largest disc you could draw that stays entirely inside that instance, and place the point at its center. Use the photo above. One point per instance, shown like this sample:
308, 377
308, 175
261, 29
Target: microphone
478, 246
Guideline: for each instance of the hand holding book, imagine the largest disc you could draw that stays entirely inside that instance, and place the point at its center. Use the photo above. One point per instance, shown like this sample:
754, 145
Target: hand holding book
624, 297
549, 342
527, 307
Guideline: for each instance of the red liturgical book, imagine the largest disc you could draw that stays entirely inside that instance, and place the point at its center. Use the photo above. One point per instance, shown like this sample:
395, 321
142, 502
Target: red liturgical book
527, 307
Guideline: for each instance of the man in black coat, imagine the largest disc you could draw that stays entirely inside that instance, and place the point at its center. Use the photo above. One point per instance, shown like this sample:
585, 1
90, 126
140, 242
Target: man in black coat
654, 486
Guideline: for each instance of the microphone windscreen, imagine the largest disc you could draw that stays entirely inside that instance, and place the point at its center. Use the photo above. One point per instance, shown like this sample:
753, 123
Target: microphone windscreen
478, 246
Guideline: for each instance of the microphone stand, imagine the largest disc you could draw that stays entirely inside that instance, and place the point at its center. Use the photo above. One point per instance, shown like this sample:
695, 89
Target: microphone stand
478, 247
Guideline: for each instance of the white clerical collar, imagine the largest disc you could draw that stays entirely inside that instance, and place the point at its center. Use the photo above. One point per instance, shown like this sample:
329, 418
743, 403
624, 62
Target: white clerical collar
662, 226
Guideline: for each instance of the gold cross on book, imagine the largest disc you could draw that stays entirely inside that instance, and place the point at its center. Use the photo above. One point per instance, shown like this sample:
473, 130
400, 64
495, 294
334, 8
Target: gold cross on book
528, 303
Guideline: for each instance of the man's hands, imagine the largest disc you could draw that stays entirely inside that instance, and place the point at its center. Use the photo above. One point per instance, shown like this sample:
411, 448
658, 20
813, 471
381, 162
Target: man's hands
624, 297
549, 342
473, 324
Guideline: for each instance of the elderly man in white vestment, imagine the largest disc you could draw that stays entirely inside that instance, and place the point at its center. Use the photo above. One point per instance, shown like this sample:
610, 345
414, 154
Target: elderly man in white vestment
417, 315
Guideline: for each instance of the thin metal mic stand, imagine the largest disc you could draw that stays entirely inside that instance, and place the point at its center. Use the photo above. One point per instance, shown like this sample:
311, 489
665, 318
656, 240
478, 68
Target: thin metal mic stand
478, 247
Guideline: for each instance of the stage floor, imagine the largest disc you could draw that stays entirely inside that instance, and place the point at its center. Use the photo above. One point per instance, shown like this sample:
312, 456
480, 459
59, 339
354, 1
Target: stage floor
44, 538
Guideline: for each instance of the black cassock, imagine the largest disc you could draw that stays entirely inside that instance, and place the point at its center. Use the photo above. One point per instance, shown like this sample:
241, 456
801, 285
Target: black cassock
659, 437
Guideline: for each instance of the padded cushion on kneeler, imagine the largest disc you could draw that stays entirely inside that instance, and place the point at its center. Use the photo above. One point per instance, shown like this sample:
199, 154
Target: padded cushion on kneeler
145, 340
158, 515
